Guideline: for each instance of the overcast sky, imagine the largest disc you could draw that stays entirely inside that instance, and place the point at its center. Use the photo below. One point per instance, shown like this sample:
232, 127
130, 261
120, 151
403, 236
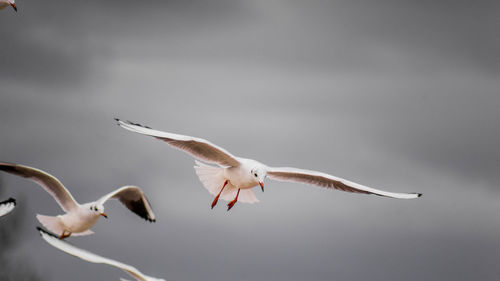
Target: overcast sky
397, 95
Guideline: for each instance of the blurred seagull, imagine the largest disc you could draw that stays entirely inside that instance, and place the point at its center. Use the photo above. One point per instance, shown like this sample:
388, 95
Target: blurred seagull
7, 206
5, 3
93, 258
79, 218
235, 177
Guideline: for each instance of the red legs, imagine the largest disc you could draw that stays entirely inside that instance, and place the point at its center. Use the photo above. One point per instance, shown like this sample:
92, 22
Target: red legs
64, 235
218, 195
231, 204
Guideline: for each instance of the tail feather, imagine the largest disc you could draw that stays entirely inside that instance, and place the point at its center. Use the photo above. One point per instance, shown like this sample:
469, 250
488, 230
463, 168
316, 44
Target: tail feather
213, 179
53, 224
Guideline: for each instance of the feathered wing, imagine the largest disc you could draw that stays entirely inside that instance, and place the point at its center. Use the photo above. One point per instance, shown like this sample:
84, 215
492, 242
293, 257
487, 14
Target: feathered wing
7, 206
134, 199
52, 185
329, 181
198, 148
88, 256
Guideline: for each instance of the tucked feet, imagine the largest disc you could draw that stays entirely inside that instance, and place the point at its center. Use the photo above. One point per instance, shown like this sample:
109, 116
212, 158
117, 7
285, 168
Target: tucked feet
65, 234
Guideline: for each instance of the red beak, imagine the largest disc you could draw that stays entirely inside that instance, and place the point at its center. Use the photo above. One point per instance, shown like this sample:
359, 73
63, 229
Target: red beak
261, 185
104, 215
14, 6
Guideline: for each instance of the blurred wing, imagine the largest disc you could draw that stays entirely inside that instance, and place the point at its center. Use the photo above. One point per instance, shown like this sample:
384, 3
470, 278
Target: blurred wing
198, 148
329, 181
88, 256
7, 206
134, 199
52, 185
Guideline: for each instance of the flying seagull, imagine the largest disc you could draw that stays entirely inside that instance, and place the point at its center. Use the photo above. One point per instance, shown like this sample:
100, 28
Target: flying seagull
7, 206
5, 3
93, 258
79, 218
234, 177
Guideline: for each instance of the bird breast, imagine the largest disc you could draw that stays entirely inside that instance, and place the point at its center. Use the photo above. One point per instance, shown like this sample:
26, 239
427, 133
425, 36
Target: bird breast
240, 177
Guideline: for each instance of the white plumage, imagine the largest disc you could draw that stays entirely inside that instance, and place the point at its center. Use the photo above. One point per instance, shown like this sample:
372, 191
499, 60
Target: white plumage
79, 218
93, 258
7, 206
234, 177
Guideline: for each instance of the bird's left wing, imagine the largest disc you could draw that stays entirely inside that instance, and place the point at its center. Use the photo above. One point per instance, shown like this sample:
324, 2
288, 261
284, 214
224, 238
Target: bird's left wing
134, 199
329, 181
198, 148
7, 206
88, 256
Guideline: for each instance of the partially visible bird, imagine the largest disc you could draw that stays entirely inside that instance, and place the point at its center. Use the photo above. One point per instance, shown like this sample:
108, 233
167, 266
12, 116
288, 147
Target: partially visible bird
93, 258
235, 177
7, 206
5, 3
79, 218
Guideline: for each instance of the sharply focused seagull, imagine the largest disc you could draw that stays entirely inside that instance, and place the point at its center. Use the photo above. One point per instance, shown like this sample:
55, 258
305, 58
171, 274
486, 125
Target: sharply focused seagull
5, 3
93, 258
235, 177
79, 218
7, 206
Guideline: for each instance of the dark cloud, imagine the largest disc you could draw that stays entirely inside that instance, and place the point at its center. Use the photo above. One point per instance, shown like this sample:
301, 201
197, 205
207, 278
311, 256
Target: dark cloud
398, 95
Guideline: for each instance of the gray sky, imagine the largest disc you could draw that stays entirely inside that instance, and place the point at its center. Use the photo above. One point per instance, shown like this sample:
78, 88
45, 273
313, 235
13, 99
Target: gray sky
396, 95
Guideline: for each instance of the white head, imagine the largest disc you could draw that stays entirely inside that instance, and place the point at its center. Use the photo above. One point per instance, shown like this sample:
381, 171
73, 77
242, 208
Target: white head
95, 209
259, 173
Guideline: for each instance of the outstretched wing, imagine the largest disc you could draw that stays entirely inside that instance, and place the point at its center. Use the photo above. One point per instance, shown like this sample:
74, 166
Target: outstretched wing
198, 148
52, 185
88, 256
7, 206
329, 181
134, 199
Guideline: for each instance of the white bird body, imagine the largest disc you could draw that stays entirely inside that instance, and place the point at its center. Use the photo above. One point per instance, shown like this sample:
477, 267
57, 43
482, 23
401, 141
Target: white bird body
7, 206
235, 174
79, 218
93, 258
240, 176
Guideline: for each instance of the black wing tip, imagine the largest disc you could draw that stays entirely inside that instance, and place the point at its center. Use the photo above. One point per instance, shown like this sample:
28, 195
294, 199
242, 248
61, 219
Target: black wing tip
42, 230
10, 200
130, 123
419, 194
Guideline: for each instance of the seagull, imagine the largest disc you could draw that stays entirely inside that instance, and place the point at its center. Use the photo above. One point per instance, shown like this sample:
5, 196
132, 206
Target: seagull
5, 3
7, 206
93, 258
234, 177
79, 218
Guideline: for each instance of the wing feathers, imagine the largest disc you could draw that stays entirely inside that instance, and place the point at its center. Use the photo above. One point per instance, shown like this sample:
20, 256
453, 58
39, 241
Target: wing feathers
198, 148
88, 256
329, 181
7, 206
51, 184
134, 199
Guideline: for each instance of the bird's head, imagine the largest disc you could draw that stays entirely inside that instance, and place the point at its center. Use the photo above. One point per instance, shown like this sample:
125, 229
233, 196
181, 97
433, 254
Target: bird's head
13, 5
97, 209
259, 173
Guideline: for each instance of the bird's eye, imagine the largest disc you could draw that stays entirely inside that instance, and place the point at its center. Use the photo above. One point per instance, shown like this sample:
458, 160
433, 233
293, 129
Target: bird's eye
255, 174
90, 208
95, 208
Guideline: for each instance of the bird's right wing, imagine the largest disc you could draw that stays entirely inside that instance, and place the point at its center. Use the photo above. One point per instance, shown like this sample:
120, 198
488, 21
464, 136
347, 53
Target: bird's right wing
90, 257
7, 206
198, 148
52, 185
